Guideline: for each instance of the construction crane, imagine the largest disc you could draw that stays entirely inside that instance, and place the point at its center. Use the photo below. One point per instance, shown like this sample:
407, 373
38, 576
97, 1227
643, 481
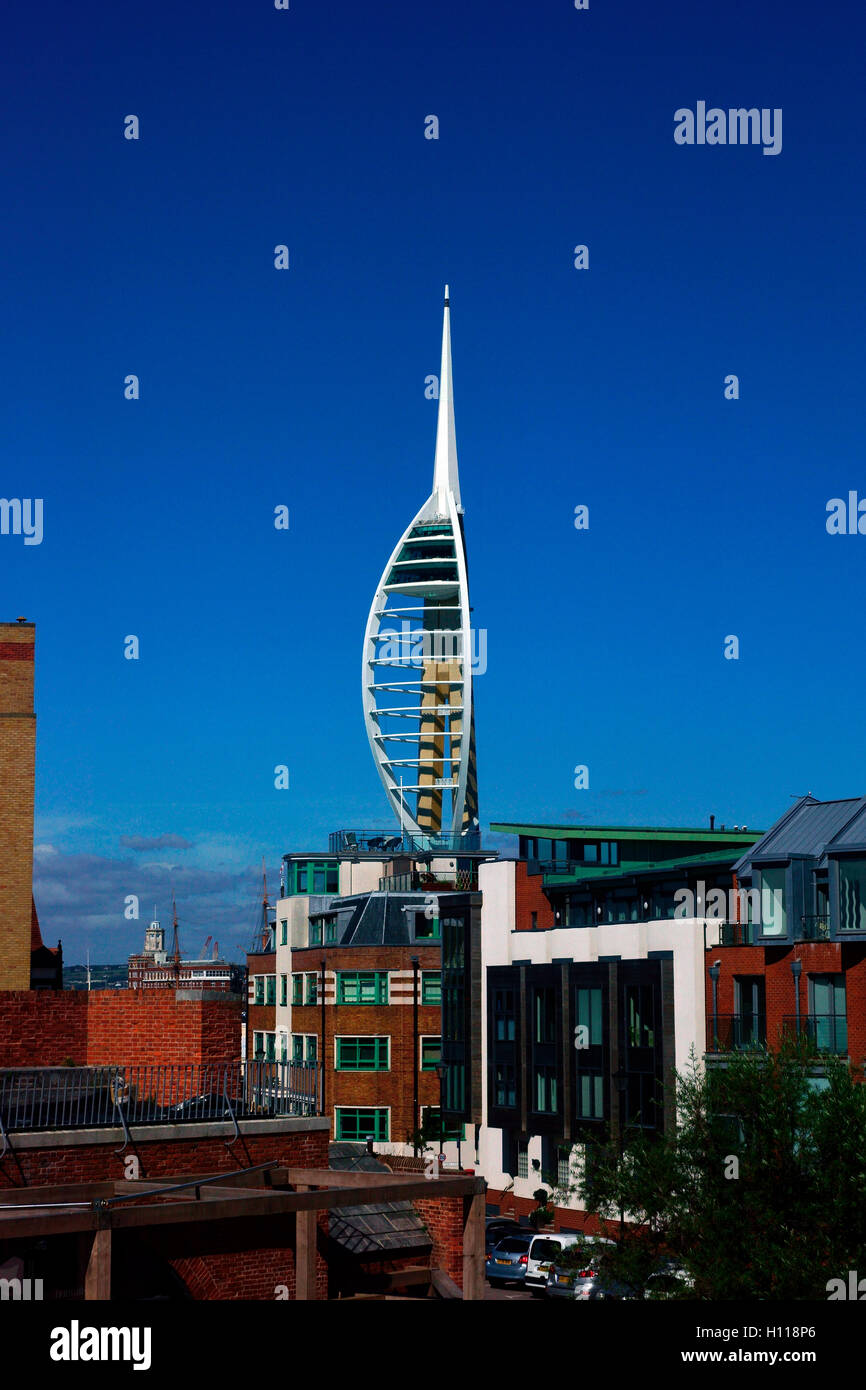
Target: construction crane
203, 955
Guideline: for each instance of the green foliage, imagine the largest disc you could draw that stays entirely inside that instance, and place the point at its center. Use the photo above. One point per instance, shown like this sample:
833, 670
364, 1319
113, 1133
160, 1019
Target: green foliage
761, 1193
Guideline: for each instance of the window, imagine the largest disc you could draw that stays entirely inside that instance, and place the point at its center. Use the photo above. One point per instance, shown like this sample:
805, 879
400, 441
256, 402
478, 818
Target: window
284, 933
297, 1047
590, 854
297, 989
258, 989
505, 1084
312, 1048
284, 1047
362, 987
431, 986
639, 1016
431, 1053
315, 932
545, 1015
588, 1010
357, 1125
504, 1021
427, 927
271, 989
828, 1023
546, 1089
258, 1044
311, 992
590, 1095
270, 1047
609, 852
773, 914
314, 877
523, 1158
362, 1054
563, 1167
284, 989
852, 895
430, 1125
331, 931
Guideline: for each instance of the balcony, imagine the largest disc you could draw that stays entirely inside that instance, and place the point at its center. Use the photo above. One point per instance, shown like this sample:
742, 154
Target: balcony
826, 1032
733, 1032
815, 928
736, 933
384, 842
459, 881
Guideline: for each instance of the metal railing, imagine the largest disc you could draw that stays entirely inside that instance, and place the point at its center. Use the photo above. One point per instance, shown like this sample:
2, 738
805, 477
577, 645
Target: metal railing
731, 1032
459, 881
827, 1032
814, 928
736, 933
385, 841
72, 1097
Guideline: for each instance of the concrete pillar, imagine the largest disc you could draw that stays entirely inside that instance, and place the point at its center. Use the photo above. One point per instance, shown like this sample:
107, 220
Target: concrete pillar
474, 1208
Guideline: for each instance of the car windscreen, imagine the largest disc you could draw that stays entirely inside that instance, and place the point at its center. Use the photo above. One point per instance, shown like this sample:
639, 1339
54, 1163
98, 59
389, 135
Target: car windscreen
512, 1247
545, 1249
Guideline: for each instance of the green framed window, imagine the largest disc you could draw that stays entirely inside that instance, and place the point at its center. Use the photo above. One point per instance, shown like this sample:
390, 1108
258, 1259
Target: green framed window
314, 876
363, 1054
297, 1047
430, 1125
315, 936
431, 1053
270, 1047
284, 990
311, 990
357, 1124
588, 1012
284, 933
427, 928
258, 1044
259, 989
312, 1050
362, 987
270, 989
331, 931
297, 989
431, 986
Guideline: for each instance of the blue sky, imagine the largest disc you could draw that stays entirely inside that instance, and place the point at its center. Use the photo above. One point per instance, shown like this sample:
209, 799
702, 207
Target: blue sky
306, 387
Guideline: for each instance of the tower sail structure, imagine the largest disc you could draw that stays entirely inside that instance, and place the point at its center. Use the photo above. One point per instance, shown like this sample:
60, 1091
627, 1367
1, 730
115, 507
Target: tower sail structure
417, 662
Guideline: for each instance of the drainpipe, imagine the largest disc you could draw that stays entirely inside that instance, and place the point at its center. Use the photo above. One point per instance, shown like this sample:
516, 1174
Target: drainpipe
715, 972
414, 960
796, 971
322, 1056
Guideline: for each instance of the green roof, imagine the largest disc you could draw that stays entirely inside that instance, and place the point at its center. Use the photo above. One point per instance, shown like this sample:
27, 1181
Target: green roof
593, 871
628, 832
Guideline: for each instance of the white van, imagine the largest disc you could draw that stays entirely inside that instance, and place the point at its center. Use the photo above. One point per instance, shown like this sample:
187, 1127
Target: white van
542, 1254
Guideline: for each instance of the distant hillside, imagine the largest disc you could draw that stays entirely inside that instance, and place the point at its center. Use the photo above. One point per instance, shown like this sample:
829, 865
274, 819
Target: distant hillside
101, 976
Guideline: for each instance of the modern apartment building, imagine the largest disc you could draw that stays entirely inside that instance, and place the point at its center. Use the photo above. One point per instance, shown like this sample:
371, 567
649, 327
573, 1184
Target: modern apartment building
791, 956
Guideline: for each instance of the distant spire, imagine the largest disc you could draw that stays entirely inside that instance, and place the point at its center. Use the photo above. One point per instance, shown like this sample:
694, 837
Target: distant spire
445, 476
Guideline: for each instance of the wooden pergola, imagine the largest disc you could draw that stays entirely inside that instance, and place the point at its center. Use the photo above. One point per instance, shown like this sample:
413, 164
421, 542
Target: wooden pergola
99, 1208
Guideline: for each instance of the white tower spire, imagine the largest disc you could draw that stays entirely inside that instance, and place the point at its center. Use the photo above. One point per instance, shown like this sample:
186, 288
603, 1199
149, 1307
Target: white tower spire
445, 477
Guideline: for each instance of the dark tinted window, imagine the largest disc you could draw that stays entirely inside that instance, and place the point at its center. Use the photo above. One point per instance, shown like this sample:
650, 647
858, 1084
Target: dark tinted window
513, 1246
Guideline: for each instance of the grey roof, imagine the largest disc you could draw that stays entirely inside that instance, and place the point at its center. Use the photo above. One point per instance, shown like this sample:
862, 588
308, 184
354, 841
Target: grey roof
810, 828
377, 919
375, 1227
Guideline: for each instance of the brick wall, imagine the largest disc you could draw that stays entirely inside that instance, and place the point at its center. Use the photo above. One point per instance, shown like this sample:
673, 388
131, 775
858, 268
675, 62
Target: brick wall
774, 964
17, 775
391, 1088
220, 1260
444, 1220
51, 1027
529, 897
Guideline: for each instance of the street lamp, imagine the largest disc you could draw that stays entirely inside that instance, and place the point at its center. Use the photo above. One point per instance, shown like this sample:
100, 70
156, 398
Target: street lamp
440, 1072
715, 972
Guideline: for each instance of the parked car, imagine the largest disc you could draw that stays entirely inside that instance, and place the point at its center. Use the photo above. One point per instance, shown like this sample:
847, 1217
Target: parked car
582, 1282
508, 1260
542, 1253
497, 1228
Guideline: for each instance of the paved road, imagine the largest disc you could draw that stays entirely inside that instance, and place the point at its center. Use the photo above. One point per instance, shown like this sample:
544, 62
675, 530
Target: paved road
511, 1291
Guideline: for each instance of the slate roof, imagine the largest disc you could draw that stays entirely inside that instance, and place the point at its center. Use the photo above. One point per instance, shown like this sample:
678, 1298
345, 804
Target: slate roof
376, 919
811, 828
386, 1228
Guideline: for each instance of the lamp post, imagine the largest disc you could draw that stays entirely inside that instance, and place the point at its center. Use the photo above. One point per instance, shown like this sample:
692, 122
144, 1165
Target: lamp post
715, 972
440, 1072
414, 960
796, 971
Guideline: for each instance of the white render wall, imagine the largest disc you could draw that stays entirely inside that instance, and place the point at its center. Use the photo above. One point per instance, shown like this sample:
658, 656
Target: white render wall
501, 944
